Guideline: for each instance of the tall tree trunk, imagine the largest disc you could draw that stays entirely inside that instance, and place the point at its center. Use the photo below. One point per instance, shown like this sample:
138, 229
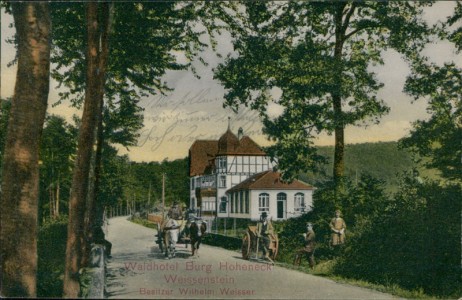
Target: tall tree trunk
89, 207
50, 200
19, 198
96, 213
94, 207
77, 202
57, 197
339, 150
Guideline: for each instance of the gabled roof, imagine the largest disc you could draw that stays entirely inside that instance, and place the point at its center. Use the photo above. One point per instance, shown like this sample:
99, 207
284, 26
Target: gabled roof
201, 157
203, 152
229, 144
248, 147
269, 180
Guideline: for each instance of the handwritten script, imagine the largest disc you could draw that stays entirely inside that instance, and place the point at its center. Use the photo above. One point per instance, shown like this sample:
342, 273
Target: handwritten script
194, 116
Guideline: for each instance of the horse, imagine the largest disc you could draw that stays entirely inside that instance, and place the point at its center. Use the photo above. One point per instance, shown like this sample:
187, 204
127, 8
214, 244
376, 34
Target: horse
196, 232
170, 232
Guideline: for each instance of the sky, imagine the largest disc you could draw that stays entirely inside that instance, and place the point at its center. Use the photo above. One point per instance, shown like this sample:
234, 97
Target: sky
194, 110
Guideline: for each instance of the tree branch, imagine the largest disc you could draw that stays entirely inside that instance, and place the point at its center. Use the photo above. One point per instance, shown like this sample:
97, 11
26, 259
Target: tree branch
347, 36
348, 15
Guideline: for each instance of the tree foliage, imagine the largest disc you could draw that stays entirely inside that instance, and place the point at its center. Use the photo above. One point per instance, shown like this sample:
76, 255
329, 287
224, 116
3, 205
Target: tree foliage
144, 183
359, 203
317, 56
414, 242
438, 138
454, 35
146, 40
57, 154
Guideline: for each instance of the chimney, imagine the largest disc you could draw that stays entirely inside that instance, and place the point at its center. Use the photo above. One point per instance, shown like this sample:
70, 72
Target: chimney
240, 133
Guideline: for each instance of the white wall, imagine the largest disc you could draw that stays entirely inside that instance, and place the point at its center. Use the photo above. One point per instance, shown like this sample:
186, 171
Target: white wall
290, 210
238, 169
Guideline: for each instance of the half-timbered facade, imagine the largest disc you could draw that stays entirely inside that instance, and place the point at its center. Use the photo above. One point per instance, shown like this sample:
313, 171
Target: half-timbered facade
219, 166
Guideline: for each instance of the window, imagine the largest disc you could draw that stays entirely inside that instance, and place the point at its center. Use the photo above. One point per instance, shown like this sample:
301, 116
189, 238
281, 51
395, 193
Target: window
232, 202
299, 202
246, 202
222, 163
263, 202
241, 202
223, 204
281, 197
222, 181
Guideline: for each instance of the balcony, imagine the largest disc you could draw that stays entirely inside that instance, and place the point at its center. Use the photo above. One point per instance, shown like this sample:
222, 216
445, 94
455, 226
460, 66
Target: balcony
207, 181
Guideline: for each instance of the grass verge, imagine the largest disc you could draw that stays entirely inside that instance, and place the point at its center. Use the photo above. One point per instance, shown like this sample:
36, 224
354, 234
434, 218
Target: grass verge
324, 269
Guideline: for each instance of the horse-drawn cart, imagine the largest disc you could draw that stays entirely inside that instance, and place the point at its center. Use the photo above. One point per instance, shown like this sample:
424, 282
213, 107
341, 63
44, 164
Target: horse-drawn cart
172, 229
251, 244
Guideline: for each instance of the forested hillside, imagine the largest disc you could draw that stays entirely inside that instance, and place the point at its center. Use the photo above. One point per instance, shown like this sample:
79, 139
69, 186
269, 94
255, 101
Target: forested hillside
382, 160
140, 183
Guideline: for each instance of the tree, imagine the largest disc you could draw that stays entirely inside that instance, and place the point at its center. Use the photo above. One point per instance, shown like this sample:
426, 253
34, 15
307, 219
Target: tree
57, 152
318, 56
20, 174
155, 30
113, 177
438, 138
95, 74
419, 231
455, 35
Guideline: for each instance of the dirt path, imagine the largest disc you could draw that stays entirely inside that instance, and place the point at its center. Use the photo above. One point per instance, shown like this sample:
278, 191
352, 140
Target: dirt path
139, 270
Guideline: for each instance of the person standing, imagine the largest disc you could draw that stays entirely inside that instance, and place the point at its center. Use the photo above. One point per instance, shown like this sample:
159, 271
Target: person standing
337, 226
264, 231
175, 212
308, 250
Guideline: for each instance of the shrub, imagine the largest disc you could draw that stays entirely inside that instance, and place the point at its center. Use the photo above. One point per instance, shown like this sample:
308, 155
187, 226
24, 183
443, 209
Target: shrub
51, 245
144, 222
414, 243
227, 242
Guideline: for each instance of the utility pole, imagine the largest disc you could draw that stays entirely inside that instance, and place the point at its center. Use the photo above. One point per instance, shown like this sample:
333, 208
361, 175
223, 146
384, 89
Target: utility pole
163, 195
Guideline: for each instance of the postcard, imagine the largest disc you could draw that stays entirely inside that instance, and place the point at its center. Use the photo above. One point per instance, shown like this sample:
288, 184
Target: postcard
204, 177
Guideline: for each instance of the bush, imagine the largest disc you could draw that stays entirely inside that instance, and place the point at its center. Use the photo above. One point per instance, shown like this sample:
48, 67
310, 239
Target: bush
51, 245
414, 243
144, 222
227, 242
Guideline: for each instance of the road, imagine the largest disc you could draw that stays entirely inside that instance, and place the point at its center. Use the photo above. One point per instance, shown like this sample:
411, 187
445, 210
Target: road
138, 270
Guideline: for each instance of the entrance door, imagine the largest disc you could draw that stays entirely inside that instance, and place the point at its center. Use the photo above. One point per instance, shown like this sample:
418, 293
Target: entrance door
281, 205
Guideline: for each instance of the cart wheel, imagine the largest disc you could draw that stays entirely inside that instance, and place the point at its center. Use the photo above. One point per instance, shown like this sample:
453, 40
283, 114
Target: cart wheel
246, 246
276, 247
